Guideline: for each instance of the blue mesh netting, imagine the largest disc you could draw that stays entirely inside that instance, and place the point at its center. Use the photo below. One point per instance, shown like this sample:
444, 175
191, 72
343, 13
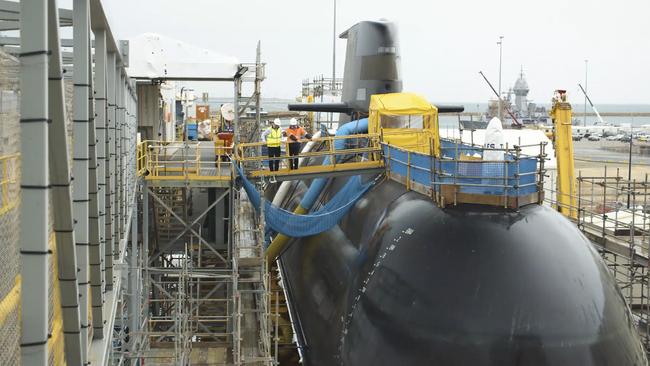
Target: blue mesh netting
297, 226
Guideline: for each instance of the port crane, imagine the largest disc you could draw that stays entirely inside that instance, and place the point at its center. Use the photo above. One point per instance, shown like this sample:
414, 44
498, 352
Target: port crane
600, 119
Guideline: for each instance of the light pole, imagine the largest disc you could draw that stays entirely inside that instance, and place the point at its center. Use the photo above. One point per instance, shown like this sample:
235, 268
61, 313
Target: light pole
629, 165
184, 115
334, 50
333, 59
500, 43
584, 121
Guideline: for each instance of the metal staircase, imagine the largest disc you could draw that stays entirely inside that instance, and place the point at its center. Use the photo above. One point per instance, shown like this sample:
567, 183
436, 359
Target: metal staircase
167, 227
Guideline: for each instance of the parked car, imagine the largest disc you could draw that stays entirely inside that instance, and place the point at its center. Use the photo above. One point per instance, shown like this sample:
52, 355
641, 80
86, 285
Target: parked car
612, 138
576, 137
644, 138
594, 137
625, 138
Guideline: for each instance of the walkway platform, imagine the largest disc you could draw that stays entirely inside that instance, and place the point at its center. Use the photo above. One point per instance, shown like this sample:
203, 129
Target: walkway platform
321, 171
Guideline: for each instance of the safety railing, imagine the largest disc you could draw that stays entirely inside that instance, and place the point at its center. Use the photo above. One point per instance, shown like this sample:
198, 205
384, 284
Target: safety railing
614, 213
8, 182
342, 152
192, 160
471, 174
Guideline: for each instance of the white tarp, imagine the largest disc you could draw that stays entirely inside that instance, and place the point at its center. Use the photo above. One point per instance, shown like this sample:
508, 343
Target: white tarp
153, 56
494, 140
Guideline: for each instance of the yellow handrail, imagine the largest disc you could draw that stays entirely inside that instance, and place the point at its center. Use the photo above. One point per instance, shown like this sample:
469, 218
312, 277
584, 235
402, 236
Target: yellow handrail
330, 150
155, 161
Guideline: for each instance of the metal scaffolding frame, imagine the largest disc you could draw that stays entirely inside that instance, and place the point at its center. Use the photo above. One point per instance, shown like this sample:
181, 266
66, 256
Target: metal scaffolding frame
201, 289
614, 213
125, 298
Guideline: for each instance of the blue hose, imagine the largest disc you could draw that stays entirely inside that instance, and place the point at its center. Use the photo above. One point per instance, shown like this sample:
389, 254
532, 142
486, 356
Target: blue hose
316, 187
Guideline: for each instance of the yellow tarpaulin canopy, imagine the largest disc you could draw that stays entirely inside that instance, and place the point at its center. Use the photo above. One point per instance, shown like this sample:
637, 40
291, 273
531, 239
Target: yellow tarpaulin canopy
401, 103
414, 139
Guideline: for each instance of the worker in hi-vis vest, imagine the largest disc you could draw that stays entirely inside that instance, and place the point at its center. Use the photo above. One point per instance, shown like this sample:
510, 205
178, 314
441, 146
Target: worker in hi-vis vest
294, 134
273, 138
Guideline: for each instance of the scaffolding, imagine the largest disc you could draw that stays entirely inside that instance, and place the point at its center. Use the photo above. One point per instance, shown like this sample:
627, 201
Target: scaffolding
205, 281
614, 213
318, 89
125, 261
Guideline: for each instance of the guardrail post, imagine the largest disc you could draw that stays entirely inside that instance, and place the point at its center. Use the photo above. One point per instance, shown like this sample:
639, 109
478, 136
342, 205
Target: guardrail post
604, 203
388, 164
408, 170
505, 177
578, 218
197, 168
518, 162
540, 179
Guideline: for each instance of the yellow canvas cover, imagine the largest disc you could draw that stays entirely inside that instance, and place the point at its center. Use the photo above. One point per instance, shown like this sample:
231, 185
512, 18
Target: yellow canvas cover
402, 104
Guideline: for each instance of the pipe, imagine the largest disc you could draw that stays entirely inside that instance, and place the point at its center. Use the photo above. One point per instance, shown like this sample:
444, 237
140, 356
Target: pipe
308, 200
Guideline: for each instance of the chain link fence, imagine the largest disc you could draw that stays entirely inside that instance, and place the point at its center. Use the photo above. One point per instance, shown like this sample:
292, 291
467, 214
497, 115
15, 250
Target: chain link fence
9, 210
10, 223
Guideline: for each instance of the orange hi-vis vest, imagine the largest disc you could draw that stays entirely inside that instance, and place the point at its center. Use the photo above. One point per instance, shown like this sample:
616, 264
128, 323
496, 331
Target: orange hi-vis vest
299, 132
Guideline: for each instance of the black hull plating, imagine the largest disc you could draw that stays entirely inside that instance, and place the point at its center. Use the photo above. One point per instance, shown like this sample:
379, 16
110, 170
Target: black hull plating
401, 282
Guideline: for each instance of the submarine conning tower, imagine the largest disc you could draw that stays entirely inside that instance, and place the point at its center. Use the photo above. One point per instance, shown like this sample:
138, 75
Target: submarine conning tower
372, 64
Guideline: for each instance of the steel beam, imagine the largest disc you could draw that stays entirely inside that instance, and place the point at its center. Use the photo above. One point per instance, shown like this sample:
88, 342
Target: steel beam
63, 223
81, 160
187, 227
100, 128
111, 242
11, 10
145, 253
135, 295
96, 252
198, 236
15, 41
35, 182
119, 156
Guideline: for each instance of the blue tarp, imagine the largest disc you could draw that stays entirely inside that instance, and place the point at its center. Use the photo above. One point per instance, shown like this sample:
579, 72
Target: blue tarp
471, 176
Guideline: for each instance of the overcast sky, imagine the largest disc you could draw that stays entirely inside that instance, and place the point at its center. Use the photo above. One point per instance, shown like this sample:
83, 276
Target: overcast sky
443, 44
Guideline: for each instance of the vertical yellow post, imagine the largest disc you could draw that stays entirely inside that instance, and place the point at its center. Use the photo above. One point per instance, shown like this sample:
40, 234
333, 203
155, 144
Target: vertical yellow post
563, 143
310, 116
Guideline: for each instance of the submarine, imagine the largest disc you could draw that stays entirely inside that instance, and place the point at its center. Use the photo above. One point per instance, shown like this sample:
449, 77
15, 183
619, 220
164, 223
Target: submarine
401, 280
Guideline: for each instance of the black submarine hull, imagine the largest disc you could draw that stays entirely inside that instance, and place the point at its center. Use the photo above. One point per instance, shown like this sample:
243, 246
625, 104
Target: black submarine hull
401, 281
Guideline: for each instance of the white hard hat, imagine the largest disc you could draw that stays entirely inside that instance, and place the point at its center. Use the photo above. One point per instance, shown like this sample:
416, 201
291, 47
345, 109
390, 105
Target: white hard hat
276, 121
293, 122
